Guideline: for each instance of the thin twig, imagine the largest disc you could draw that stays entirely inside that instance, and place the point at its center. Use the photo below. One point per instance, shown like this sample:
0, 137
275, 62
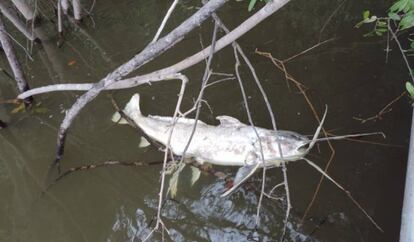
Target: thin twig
346, 192
308, 49
394, 36
164, 21
99, 165
167, 148
237, 48
384, 110
280, 65
329, 19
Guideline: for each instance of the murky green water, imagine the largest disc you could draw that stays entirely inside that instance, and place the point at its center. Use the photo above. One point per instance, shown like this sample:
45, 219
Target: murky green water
118, 203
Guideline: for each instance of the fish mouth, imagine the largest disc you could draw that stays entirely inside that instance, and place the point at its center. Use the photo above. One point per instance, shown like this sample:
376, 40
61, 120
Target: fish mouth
304, 147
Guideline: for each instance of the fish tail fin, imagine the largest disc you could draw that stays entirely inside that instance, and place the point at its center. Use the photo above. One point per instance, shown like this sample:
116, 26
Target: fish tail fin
132, 109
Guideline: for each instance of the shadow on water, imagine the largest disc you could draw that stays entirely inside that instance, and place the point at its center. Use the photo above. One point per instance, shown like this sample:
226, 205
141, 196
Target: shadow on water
118, 203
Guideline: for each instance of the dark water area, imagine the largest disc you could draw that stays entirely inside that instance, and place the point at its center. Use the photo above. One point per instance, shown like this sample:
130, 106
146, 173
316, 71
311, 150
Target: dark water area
118, 203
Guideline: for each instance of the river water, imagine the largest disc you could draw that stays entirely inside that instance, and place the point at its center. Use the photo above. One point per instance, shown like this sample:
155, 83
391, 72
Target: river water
118, 203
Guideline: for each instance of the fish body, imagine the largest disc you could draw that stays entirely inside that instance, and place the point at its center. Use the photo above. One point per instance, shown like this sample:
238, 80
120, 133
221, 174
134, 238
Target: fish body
231, 143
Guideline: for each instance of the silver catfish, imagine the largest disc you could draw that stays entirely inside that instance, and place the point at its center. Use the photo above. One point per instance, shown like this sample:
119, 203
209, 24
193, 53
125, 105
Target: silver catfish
231, 143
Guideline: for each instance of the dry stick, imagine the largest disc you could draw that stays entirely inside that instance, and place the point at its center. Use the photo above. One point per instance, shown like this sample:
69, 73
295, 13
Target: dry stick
98, 165
21, 82
279, 64
59, 13
204, 81
308, 49
384, 110
14, 19
77, 10
164, 21
271, 114
150, 52
24, 9
155, 76
197, 104
346, 192
167, 148
387, 49
249, 116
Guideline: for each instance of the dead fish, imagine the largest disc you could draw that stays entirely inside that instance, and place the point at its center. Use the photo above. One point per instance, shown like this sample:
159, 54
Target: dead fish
231, 143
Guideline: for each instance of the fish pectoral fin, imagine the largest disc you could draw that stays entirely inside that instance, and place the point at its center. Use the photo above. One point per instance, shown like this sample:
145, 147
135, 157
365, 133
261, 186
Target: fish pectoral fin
242, 175
229, 121
143, 142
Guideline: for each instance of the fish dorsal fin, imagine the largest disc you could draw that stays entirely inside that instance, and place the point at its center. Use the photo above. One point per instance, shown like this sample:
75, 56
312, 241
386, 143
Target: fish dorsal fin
229, 121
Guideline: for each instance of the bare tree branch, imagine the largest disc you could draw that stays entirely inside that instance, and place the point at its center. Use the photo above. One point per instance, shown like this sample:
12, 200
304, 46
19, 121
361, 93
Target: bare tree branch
150, 52
14, 19
21, 81
180, 66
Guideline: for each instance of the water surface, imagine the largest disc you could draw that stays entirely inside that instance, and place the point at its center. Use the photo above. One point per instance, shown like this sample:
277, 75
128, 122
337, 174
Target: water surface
118, 203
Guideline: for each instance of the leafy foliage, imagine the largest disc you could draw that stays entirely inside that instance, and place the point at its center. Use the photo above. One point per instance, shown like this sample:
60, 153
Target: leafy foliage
403, 11
410, 89
401, 17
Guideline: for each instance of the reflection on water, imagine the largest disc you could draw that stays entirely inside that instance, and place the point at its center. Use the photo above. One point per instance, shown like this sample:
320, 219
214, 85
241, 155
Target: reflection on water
218, 219
119, 203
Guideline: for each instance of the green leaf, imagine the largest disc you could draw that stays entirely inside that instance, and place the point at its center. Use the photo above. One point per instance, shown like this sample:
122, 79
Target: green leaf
410, 89
399, 6
365, 14
382, 23
251, 5
412, 44
370, 34
407, 21
382, 30
394, 16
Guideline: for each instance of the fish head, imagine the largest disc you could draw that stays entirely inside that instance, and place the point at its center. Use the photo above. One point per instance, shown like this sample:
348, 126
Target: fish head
293, 145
